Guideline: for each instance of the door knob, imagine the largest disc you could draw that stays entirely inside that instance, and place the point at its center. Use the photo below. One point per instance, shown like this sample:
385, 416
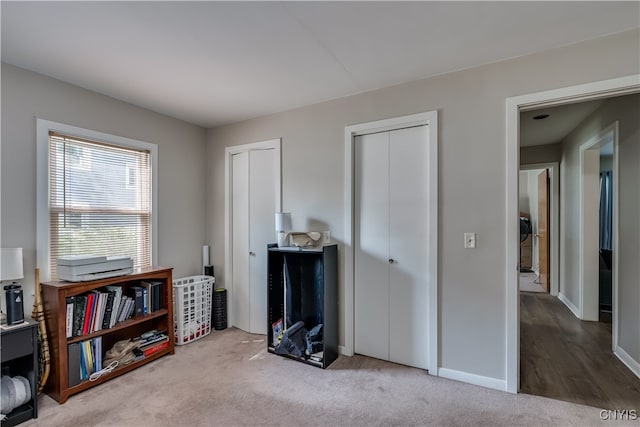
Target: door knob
251, 253
391, 260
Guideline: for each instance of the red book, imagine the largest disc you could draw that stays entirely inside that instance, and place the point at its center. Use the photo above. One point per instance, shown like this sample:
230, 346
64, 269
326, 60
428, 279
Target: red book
87, 314
156, 348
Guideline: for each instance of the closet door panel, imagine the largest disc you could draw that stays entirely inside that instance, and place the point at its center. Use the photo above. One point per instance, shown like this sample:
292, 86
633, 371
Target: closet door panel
240, 231
262, 208
371, 285
408, 238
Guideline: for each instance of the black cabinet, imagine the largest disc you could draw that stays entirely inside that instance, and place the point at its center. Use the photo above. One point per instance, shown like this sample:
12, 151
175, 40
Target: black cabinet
303, 286
19, 357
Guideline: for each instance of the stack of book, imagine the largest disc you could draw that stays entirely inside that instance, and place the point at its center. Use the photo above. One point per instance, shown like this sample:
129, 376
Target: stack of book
152, 342
103, 308
85, 358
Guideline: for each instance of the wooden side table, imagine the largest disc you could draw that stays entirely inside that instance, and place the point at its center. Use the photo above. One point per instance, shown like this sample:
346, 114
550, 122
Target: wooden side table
19, 357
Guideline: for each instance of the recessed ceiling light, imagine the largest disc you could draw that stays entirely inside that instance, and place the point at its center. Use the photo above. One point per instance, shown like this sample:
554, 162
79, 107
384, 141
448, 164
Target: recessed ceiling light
540, 117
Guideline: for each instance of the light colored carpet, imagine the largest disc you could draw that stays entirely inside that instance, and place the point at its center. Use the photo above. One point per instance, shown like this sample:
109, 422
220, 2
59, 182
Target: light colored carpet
528, 283
219, 380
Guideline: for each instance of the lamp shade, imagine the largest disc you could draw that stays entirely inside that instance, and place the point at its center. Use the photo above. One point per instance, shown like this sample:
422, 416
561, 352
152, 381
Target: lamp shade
11, 264
283, 221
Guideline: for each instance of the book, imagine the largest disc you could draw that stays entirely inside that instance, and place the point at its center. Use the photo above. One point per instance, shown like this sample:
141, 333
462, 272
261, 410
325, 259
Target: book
96, 313
132, 309
70, 309
145, 305
137, 296
83, 363
73, 361
156, 295
78, 315
148, 351
102, 308
87, 314
94, 310
148, 296
159, 295
96, 350
108, 309
88, 359
126, 311
153, 340
117, 290
123, 304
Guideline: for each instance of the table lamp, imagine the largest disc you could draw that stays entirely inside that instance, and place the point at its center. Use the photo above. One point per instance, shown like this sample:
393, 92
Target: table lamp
283, 225
11, 270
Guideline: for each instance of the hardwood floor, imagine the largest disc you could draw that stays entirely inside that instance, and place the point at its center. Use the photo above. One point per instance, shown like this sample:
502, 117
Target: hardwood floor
564, 358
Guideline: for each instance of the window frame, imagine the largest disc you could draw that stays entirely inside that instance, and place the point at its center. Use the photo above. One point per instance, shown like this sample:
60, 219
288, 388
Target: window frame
43, 127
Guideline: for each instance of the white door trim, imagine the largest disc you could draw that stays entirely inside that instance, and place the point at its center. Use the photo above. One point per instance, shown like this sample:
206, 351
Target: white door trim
271, 144
554, 252
514, 105
430, 119
588, 283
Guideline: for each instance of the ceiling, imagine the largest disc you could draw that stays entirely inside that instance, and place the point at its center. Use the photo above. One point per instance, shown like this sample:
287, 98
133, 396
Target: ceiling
561, 121
211, 63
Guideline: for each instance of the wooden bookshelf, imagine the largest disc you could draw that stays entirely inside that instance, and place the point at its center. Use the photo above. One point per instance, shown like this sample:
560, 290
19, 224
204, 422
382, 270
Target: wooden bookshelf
54, 297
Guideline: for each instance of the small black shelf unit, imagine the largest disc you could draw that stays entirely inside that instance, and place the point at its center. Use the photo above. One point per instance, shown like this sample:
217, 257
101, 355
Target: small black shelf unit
311, 280
19, 351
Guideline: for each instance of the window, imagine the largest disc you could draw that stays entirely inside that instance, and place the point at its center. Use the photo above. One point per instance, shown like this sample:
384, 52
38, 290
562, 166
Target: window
99, 198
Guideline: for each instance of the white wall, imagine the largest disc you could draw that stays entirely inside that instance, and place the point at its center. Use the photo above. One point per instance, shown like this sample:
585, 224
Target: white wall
547, 153
472, 155
626, 110
181, 159
606, 163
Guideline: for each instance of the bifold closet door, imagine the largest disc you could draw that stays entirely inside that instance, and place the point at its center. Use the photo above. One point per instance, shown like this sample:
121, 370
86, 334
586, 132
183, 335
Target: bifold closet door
391, 241
240, 237
371, 299
253, 226
262, 209
408, 247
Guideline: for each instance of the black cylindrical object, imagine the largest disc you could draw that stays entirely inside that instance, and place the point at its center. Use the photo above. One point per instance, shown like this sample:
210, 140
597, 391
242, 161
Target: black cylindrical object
208, 270
220, 309
15, 307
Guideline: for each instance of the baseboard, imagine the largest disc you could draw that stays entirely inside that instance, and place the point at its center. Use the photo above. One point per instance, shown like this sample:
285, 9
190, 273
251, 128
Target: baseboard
569, 305
466, 377
627, 360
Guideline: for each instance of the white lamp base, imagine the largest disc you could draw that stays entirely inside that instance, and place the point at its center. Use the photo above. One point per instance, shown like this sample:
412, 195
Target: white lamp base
283, 239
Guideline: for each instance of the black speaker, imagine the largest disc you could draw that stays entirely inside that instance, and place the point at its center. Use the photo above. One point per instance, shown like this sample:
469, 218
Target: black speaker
220, 309
15, 307
208, 270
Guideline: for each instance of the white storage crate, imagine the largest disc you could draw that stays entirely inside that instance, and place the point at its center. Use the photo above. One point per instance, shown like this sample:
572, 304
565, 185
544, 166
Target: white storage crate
192, 298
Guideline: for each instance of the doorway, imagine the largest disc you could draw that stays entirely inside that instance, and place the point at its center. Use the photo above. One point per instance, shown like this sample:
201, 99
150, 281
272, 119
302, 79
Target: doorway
540, 276
252, 197
597, 90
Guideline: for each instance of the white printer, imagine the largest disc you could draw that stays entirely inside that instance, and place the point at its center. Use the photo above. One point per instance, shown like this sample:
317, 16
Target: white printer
82, 268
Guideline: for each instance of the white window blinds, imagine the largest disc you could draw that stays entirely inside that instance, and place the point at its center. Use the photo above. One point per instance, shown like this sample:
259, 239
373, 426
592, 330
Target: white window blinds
99, 200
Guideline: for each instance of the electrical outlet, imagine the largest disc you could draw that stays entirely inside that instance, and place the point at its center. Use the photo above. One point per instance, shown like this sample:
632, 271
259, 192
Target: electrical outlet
470, 240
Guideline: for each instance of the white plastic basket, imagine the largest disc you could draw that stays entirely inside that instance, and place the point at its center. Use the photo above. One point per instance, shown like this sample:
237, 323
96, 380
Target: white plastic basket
192, 298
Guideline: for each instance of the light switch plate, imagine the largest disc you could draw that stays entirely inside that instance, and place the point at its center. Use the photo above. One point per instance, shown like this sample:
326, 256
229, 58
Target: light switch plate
470, 240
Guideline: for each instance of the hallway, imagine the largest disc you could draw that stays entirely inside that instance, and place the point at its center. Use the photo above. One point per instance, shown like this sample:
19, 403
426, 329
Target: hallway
564, 358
